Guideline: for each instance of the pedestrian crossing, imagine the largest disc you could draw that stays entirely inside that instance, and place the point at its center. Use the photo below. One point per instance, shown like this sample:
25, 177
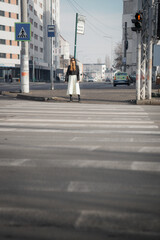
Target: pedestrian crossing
116, 128
80, 166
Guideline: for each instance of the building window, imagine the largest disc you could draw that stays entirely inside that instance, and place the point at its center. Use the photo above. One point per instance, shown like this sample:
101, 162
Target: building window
9, 1
41, 28
35, 24
41, 39
30, 8
35, 12
2, 13
11, 55
2, 55
10, 42
1, 0
31, 20
41, 50
17, 16
10, 28
36, 48
2, 27
16, 2
36, 36
9, 14
2, 41
31, 46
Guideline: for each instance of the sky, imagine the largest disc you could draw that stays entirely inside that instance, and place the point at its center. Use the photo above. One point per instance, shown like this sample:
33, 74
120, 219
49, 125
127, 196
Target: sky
103, 27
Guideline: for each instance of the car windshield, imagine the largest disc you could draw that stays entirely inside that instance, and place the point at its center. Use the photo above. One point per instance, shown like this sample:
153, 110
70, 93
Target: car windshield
122, 74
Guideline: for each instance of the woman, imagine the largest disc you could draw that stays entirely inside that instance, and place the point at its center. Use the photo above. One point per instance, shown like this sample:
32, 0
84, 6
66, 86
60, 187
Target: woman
72, 77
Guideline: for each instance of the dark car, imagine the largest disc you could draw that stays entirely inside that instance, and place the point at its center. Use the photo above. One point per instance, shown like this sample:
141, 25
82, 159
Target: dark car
132, 78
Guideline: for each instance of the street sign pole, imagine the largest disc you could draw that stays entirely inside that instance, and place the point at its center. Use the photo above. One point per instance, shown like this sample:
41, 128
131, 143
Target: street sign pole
51, 69
24, 53
75, 45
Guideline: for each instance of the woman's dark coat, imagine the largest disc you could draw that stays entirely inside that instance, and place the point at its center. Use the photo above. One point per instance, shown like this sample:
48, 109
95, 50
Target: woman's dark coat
69, 72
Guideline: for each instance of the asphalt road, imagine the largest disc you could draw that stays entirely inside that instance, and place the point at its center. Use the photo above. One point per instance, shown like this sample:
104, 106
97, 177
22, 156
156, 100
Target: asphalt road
79, 171
15, 86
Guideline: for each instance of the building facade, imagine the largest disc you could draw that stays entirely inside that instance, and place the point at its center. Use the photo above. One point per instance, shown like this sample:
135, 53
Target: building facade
39, 15
130, 7
9, 48
96, 71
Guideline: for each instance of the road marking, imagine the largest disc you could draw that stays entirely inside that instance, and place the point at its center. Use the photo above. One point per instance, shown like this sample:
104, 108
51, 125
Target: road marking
150, 150
79, 131
95, 164
79, 125
76, 121
13, 162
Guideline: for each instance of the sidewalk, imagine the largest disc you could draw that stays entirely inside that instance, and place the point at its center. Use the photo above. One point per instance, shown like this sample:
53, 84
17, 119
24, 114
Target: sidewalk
98, 96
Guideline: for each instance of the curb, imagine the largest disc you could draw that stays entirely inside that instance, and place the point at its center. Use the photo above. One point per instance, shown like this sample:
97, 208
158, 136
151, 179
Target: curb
148, 102
32, 98
38, 98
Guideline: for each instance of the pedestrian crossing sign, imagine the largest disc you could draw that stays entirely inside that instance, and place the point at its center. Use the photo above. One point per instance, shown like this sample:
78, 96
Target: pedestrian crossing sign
22, 31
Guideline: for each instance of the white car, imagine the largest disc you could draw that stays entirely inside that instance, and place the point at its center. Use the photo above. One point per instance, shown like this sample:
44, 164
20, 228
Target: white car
92, 79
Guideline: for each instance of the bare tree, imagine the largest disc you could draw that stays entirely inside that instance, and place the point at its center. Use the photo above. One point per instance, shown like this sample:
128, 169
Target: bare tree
118, 56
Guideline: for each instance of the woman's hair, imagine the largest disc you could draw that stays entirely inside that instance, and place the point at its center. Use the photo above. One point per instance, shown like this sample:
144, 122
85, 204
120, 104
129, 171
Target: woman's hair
73, 64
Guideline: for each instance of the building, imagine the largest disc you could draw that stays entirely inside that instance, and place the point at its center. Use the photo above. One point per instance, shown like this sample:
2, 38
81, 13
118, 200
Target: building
39, 15
9, 48
129, 9
65, 55
94, 70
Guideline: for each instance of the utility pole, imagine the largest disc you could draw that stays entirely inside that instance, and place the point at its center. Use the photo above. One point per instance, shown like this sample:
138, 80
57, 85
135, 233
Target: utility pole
150, 44
75, 44
138, 75
51, 43
24, 53
125, 46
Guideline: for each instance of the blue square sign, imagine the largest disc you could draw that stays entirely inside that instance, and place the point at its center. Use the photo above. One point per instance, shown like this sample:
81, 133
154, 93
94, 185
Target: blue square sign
51, 30
22, 31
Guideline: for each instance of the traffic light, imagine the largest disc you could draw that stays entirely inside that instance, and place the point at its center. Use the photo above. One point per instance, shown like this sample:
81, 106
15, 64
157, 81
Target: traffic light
137, 22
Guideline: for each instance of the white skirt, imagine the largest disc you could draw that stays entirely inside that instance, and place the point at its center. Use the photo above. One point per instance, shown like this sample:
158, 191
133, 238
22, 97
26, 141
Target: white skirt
73, 85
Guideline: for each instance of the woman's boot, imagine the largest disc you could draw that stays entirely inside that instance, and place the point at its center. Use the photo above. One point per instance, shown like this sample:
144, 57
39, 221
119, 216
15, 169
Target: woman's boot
71, 98
79, 99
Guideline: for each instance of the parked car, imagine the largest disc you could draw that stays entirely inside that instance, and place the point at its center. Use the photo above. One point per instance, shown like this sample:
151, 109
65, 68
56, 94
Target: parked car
92, 79
132, 78
108, 80
121, 78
